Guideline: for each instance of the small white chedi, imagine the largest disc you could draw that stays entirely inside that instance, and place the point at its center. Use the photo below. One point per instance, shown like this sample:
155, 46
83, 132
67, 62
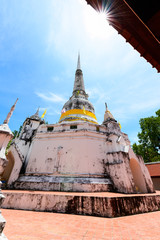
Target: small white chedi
77, 153
5, 136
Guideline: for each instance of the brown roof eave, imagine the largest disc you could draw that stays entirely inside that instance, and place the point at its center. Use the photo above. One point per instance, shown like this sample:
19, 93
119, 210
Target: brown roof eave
131, 27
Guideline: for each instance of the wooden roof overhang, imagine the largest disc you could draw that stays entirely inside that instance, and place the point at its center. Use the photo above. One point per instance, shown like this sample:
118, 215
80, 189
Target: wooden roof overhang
138, 22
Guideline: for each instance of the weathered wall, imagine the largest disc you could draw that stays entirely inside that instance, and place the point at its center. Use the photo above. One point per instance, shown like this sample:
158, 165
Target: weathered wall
67, 153
90, 151
117, 166
5, 136
146, 176
14, 156
82, 204
68, 184
2, 220
156, 182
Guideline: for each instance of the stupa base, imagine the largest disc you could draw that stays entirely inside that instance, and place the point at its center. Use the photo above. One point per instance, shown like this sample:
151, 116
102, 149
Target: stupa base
102, 204
64, 183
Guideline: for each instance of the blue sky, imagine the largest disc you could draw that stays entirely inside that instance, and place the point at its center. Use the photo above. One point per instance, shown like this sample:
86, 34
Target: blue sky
39, 44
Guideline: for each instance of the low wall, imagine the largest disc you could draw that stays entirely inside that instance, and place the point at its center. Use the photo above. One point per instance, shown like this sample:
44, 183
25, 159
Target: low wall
83, 204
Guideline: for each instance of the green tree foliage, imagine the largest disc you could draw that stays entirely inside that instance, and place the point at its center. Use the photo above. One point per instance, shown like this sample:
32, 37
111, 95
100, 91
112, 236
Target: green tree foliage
149, 139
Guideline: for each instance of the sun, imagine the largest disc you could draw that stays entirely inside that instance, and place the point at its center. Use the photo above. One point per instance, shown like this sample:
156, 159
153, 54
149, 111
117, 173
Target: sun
97, 25
102, 16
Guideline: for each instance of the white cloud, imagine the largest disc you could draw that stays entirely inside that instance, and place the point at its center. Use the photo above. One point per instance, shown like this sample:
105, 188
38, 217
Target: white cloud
145, 105
88, 33
56, 79
121, 114
51, 97
133, 137
42, 109
53, 112
98, 94
50, 110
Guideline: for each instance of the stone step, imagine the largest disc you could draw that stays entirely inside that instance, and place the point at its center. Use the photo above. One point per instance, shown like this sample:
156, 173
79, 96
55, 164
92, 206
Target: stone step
104, 204
64, 183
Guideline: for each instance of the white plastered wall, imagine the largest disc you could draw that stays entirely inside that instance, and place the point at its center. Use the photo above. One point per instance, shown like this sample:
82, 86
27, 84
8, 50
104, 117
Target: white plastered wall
65, 153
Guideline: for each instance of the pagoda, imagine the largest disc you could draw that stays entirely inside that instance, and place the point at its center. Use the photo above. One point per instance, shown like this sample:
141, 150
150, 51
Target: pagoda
77, 154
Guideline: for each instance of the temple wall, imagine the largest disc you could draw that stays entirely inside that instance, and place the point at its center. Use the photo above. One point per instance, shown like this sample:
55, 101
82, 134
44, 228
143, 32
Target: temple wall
117, 166
67, 153
102, 205
11, 175
146, 176
5, 137
3, 140
22, 146
66, 127
89, 151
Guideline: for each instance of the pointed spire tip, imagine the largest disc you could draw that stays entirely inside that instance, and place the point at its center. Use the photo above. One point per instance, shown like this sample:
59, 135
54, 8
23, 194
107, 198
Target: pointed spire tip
78, 62
6, 121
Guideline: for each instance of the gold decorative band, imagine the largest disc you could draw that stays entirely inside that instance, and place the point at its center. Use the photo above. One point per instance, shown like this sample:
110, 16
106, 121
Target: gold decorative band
78, 111
78, 114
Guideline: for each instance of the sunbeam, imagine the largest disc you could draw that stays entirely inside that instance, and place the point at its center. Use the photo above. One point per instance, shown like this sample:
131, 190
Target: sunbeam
97, 24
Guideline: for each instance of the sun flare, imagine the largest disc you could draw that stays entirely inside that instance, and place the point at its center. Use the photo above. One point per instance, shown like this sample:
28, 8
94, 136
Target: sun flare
97, 25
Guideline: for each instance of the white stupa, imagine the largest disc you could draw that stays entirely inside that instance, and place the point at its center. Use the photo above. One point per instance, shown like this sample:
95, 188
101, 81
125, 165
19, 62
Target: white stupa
77, 153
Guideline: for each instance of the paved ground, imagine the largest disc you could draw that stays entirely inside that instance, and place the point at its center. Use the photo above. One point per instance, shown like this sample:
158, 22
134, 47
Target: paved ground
28, 225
